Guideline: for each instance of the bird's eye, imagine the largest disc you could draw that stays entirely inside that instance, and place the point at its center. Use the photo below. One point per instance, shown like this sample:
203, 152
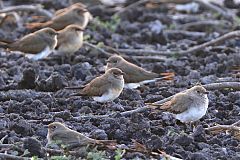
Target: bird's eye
198, 91
54, 127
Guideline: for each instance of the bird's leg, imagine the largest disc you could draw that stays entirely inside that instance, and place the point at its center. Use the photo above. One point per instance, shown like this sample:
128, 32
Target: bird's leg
109, 104
63, 59
193, 125
106, 105
69, 59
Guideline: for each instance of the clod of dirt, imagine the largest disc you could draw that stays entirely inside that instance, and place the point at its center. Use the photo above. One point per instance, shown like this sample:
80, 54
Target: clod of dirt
34, 147
22, 127
199, 134
28, 79
130, 94
53, 83
99, 134
183, 140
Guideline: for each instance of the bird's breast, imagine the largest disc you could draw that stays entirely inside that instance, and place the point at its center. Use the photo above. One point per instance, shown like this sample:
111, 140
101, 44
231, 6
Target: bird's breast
111, 94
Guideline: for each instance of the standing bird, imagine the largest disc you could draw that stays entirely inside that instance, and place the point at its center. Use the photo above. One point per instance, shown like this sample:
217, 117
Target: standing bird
105, 88
189, 105
75, 15
70, 40
60, 134
37, 45
134, 76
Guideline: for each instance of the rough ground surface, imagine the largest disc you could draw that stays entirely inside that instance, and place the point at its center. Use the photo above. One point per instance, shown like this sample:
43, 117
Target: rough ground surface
40, 97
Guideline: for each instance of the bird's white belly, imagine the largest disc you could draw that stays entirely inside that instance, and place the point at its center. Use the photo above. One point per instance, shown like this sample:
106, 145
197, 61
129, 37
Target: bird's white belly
72, 46
109, 96
41, 55
131, 85
191, 115
112, 93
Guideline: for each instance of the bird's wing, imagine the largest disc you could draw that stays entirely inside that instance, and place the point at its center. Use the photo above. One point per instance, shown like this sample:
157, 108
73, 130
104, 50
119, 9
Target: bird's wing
135, 74
60, 11
97, 87
65, 137
179, 103
71, 138
29, 44
64, 17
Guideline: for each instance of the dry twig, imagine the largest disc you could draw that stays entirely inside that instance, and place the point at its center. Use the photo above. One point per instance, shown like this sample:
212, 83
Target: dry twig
224, 13
223, 85
202, 23
137, 3
108, 54
12, 157
218, 128
28, 8
230, 35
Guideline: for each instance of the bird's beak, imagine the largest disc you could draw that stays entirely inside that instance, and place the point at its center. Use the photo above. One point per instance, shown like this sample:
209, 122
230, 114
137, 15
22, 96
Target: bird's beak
206, 92
107, 61
80, 29
123, 73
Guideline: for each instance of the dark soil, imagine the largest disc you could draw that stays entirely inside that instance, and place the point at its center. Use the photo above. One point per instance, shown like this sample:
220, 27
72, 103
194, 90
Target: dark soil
33, 92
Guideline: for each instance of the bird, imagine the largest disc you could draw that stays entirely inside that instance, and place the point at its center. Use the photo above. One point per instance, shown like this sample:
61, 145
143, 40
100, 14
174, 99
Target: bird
69, 40
37, 45
187, 106
104, 88
75, 15
134, 75
59, 134
71, 6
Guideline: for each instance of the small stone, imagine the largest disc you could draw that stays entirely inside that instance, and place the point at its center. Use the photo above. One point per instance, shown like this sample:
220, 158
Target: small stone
22, 127
183, 140
130, 95
154, 143
198, 156
28, 79
194, 74
33, 146
99, 134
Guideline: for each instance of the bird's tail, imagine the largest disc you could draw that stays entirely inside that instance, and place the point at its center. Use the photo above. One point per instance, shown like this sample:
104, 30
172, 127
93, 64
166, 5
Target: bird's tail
76, 94
36, 25
74, 87
106, 142
154, 105
164, 76
4, 45
163, 106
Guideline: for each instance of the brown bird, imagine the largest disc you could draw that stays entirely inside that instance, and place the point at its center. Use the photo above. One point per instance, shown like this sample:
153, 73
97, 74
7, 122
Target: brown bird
35, 45
75, 15
189, 105
58, 133
70, 40
104, 88
80, 5
134, 76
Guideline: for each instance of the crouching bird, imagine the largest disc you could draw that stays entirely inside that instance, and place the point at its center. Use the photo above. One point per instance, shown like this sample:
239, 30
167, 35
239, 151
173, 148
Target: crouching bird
59, 134
187, 106
104, 88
